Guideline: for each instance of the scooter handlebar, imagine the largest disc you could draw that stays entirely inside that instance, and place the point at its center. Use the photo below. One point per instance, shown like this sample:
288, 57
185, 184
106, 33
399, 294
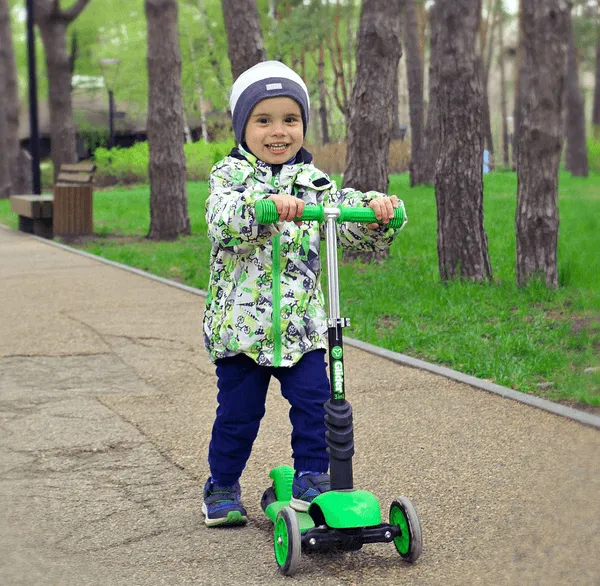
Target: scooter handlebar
266, 213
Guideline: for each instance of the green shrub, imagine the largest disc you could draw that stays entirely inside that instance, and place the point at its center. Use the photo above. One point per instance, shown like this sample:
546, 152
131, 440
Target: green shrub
593, 147
201, 156
47, 175
130, 165
122, 165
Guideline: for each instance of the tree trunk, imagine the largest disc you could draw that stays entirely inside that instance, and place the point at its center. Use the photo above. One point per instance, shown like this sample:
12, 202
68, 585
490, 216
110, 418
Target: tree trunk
340, 79
462, 242
396, 132
199, 91
11, 103
540, 137
245, 45
351, 25
214, 53
53, 22
487, 50
378, 52
486, 122
596, 107
414, 74
576, 157
5, 181
323, 96
431, 141
503, 107
167, 171
518, 98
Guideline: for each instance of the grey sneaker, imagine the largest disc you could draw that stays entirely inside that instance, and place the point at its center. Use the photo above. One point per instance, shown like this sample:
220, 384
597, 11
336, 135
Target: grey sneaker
223, 505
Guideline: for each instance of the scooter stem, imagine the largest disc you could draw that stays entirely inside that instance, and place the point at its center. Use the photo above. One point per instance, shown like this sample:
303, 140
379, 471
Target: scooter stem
338, 412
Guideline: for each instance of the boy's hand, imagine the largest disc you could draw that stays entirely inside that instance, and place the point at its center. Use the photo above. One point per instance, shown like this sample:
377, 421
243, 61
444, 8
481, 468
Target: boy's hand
288, 206
384, 209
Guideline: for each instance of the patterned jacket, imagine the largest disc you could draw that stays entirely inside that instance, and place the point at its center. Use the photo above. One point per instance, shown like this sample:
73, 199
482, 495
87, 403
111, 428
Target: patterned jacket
265, 298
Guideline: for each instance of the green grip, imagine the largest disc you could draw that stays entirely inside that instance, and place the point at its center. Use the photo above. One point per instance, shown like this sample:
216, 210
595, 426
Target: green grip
313, 214
367, 215
266, 213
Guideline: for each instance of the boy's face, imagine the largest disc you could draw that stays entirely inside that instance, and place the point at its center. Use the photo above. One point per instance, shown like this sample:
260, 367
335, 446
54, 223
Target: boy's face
274, 132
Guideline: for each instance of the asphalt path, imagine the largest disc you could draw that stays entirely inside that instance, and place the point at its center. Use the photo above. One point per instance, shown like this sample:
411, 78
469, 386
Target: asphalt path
107, 399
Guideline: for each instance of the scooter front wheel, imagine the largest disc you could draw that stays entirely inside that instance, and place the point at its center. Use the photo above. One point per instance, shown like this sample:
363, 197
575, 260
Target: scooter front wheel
410, 541
287, 541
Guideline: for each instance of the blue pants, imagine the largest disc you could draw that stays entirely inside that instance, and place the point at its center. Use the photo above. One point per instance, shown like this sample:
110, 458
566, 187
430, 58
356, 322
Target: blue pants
242, 385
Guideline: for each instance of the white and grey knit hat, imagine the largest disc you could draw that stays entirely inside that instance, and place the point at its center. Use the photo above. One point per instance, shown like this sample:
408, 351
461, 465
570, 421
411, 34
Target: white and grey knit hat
268, 79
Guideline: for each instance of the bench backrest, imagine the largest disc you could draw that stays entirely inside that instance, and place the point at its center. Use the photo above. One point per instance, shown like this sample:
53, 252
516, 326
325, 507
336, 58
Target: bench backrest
76, 174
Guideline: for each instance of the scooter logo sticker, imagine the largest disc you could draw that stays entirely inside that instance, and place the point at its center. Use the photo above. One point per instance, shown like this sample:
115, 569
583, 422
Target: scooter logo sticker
336, 352
338, 379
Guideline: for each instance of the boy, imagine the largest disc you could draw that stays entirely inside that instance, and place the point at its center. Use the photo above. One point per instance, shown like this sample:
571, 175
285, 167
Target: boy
265, 311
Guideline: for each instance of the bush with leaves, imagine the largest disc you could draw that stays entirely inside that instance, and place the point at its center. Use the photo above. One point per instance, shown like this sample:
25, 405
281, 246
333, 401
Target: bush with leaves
130, 165
201, 156
47, 175
593, 147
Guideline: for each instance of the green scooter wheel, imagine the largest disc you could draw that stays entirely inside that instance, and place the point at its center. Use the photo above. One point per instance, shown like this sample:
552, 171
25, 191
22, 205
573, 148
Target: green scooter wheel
410, 541
287, 541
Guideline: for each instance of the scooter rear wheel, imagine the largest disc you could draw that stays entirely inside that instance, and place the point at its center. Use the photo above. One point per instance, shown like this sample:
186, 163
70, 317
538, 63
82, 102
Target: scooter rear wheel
287, 541
268, 498
410, 541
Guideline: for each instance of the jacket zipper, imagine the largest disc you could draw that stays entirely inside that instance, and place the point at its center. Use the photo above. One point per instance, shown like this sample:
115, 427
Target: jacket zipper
276, 276
276, 290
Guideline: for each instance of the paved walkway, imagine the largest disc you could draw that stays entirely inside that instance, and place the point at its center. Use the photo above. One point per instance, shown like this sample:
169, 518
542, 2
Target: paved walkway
106, 404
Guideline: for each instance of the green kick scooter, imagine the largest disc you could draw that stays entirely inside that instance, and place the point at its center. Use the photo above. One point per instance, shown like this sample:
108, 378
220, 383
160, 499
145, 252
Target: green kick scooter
343, 518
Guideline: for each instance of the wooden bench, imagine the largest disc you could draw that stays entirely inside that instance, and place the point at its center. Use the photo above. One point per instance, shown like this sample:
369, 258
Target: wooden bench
68, 212
35, 213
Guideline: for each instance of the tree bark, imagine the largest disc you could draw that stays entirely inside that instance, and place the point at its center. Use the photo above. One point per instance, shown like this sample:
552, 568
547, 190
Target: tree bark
484, 30
378, 52
199, 90
167, 171
462, 242
518, 98
396, 132
486, 121
323, 97
414, 74
503, 106
540, 137
431, 141
245, 45
350, 41
596, 107
53, 22
5, 181
576, 160
487, 50
18, 182
340, 79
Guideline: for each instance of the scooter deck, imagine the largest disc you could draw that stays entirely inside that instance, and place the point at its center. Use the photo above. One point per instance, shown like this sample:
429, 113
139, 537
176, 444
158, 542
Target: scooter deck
339, 509
304, 519
279, 496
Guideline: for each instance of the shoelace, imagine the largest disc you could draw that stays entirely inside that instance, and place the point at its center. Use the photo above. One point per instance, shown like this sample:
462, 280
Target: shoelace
227, 494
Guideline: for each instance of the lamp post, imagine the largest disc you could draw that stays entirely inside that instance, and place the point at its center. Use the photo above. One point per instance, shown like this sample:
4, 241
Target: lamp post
110, 68
34, 133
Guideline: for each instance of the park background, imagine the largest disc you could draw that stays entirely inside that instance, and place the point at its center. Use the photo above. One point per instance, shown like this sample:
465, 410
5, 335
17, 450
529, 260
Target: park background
538, 335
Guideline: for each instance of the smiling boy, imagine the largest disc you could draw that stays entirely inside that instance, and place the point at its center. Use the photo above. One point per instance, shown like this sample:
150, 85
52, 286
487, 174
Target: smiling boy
265, 314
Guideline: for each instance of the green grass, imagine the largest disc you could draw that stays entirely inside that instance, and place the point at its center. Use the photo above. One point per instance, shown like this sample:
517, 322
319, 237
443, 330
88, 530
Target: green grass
514, 337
